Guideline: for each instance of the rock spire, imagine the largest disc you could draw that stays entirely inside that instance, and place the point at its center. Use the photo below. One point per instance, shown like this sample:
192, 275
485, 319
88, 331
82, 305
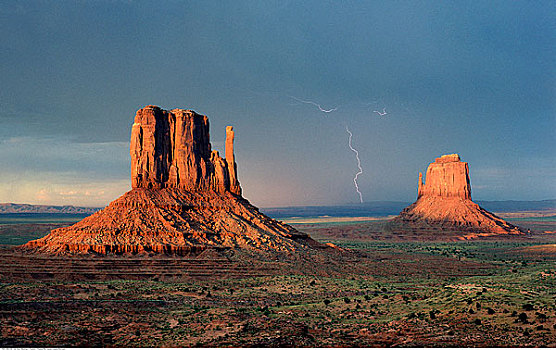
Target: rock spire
231, 161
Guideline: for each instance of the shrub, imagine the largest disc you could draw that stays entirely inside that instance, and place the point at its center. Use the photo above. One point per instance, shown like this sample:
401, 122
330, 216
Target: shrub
326, 302
432, 314
347, 300
522, 317
477, 321
490, 311
528, 307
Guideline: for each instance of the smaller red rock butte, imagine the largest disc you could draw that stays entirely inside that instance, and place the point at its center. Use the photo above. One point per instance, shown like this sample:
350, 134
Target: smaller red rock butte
444, 204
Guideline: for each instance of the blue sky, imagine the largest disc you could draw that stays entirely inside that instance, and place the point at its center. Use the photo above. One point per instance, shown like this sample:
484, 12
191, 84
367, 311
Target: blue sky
474, 78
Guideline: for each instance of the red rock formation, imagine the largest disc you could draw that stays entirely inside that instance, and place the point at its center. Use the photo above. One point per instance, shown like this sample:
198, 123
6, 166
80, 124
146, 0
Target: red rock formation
231, 160
185, 198
444, 204
446, 177
171, 149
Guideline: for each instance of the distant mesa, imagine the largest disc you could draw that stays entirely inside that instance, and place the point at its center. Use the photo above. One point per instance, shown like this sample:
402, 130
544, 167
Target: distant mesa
184, 198
444, 205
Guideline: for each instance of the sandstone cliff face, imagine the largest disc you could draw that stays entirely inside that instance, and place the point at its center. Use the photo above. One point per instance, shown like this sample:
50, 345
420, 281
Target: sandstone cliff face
171, 149
444, 205
185, 198
446, 177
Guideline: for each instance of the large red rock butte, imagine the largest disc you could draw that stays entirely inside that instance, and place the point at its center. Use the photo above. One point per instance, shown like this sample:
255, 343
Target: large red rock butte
444, 205
184, 198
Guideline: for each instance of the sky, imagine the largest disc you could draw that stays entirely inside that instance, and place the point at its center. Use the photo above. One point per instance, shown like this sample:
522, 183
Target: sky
476, 78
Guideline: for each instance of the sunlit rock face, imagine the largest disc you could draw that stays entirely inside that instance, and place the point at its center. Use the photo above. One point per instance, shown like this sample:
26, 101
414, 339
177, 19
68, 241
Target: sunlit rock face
185, 198
446, 177
444, 204
171, 149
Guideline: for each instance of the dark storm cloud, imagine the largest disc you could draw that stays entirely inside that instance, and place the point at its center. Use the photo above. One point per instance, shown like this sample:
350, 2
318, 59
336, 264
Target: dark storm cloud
470, 77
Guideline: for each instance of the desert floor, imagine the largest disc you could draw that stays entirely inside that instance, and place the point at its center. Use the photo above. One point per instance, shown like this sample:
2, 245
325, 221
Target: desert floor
386, 290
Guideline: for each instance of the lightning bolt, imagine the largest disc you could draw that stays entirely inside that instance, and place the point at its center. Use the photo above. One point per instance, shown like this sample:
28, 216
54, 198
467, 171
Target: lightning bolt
383, 113
315, 104
349, 142
358, 164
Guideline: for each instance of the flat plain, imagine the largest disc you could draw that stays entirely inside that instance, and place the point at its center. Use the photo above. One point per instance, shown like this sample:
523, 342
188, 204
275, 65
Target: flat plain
384, 290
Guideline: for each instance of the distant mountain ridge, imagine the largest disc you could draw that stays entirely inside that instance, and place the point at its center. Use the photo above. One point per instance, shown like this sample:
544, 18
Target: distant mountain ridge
13, 208
374, 208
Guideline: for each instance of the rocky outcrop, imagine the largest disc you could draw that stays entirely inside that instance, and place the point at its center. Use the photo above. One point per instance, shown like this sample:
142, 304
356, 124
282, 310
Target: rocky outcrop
184, 198
444, 205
